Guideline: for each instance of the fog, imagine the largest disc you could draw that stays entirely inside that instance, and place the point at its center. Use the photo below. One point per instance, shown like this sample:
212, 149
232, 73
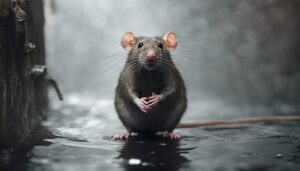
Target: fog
237, 57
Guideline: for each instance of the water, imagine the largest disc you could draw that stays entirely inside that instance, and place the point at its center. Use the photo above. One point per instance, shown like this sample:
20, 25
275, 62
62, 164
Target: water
77, 136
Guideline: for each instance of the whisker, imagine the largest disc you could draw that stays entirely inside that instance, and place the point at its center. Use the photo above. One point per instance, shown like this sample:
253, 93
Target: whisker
167, 63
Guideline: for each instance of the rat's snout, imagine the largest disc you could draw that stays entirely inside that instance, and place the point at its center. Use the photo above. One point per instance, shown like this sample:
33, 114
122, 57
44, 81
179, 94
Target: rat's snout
151, 55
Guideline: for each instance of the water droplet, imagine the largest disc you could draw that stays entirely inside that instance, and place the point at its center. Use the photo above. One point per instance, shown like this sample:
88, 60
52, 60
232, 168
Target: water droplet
148, 164
134, 161
40, 160
279, 156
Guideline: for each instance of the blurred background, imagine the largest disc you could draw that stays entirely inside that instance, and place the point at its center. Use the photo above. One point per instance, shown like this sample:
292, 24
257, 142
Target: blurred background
238, 58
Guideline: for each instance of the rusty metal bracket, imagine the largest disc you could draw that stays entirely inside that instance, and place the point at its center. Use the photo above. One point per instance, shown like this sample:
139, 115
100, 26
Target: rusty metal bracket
29, 47
19, 12
39, 71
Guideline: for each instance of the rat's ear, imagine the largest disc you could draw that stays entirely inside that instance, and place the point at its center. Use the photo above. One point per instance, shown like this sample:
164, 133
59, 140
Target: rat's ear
170, 41
127, 41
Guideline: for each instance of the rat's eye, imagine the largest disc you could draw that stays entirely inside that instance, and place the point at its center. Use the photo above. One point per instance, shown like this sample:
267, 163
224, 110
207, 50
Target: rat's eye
140, 45
160, 45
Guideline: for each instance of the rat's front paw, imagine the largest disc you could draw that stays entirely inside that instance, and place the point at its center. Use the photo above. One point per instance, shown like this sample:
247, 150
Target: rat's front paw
143, 104
153, 100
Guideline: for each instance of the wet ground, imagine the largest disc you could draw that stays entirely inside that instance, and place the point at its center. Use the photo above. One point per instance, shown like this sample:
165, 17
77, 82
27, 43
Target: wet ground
77, 136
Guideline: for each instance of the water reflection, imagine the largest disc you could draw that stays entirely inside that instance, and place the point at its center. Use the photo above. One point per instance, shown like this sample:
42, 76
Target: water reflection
152, 153
19, 157
255, 147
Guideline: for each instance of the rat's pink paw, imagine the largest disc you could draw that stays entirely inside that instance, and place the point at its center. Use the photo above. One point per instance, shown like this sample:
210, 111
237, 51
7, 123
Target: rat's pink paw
143, 104
173, 136
153, 100
119, 137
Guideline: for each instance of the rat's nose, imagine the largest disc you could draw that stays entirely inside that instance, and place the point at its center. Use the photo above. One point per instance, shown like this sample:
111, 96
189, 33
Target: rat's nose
151, 55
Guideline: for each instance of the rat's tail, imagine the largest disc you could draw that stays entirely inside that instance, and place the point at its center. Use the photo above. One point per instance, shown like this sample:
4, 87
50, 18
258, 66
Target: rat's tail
263, 119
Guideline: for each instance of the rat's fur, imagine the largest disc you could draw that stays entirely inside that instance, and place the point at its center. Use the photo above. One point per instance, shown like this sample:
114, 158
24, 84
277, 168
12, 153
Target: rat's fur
138, 79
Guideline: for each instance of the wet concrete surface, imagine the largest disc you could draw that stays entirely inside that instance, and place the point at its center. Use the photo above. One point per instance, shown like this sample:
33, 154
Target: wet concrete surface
78, 137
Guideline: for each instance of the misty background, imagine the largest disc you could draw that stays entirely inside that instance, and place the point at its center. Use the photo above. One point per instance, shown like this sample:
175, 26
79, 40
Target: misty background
237, 57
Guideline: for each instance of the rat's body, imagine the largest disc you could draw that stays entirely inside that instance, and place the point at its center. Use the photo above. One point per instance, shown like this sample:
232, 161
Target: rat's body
166, 114
150, 96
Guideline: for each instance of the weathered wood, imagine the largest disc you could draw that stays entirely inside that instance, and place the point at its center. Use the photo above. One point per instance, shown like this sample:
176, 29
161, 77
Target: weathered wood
23, 99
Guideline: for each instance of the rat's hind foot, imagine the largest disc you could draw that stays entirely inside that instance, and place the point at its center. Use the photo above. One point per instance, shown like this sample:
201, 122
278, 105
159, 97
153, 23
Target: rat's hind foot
119, 137
172, 136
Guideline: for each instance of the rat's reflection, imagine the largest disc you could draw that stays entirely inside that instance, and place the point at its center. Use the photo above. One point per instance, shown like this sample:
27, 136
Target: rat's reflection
152, 153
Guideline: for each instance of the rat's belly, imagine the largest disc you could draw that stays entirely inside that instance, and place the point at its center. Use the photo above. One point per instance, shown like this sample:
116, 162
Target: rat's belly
164, 117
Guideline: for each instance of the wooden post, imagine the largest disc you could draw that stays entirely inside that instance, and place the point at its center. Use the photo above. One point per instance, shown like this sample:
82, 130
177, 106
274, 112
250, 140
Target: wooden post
23, 98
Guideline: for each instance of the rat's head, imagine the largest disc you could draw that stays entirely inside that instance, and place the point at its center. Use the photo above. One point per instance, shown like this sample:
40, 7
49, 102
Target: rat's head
150, 52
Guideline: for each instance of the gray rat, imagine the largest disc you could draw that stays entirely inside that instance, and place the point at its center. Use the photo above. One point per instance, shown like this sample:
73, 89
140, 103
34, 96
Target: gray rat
150, 95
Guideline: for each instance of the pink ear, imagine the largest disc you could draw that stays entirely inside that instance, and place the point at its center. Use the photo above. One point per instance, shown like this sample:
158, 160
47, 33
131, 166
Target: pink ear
127, 41
170, 41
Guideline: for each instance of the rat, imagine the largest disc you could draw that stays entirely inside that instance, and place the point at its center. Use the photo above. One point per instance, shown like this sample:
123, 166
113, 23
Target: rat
151, 94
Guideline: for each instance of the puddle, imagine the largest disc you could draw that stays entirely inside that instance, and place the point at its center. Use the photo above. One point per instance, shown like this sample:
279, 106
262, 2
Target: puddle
251, 147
